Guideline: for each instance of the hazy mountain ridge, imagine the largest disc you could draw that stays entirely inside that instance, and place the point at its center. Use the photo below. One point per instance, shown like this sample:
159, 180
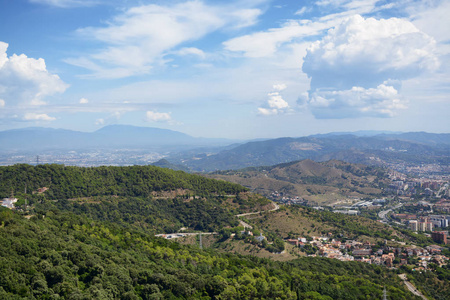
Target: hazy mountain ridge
205, 154
367, 150
113, 136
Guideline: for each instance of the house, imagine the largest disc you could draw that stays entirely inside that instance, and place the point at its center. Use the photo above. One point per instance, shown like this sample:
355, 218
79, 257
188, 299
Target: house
260, 238
9, 202
362, 252
293, 242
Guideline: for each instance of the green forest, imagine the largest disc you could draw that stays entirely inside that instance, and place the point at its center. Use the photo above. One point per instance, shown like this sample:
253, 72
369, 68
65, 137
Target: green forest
74, 242
69, 256
65, 182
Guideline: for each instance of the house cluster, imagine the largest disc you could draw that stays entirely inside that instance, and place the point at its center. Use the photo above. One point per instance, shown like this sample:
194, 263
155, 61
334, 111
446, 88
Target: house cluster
258, 238
402, 185
443, 205
287, 199
352, 250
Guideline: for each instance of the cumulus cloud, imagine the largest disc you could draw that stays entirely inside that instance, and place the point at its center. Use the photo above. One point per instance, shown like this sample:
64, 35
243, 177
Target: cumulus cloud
268, 43
153, 116
26, 81
99, 121
382, 101
38, 117
362, 51
2, 103
275, 104
84, 101
141, 36
349, 66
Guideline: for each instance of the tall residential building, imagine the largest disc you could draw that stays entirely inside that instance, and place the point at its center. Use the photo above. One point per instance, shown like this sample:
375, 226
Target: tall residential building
413, 225
439, 236
422, 226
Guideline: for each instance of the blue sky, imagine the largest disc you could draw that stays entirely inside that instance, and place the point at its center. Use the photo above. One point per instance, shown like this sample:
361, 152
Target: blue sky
233, 69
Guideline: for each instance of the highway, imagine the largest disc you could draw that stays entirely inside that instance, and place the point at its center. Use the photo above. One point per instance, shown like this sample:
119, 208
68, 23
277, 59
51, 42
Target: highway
382, 214
411, 287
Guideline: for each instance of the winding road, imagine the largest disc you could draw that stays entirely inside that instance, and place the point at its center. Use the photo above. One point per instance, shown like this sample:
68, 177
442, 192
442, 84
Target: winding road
178, 235
246, 225
382, 214
411, 287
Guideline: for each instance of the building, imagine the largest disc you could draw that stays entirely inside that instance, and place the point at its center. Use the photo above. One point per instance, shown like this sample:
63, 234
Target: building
260, 238
362, 252
439, 237
413, 225
425, 226
9, 202
293, 242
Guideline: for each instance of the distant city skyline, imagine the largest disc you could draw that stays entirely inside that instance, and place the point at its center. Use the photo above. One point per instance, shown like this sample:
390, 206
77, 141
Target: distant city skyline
226, 69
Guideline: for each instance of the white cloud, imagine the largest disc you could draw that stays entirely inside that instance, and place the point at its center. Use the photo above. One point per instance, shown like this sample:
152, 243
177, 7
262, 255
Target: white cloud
267, 111
382, 101
432, 18
279, 87
266, 43
26, 81
350, 68
361, 52
2, 103
303, 10
153, 116
84, 101
191, 51
38, 117
275, 104
141, 36
99, 121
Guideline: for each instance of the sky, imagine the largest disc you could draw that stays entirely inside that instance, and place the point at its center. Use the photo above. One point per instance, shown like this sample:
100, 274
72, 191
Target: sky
238, 69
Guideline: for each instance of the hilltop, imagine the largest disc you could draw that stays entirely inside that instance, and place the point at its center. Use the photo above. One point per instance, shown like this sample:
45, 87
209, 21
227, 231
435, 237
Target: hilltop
320, 182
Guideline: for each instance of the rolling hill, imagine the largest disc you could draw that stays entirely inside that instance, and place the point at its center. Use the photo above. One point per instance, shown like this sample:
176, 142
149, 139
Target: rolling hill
318, 182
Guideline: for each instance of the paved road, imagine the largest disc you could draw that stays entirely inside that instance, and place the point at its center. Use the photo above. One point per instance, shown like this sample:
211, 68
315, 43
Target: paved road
382, 214
178, 235
258, 212
411, 287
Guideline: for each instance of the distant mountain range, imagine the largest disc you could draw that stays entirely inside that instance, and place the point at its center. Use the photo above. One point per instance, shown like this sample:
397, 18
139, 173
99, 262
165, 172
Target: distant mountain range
113, 136
379, 149
184, 152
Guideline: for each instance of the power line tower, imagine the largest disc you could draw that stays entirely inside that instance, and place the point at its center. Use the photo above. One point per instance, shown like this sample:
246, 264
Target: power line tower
201, 245
37, 160
384, 294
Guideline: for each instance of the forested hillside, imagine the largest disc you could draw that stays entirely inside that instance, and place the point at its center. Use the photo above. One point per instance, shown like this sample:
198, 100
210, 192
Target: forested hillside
64, 182
67, 256
91, 236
